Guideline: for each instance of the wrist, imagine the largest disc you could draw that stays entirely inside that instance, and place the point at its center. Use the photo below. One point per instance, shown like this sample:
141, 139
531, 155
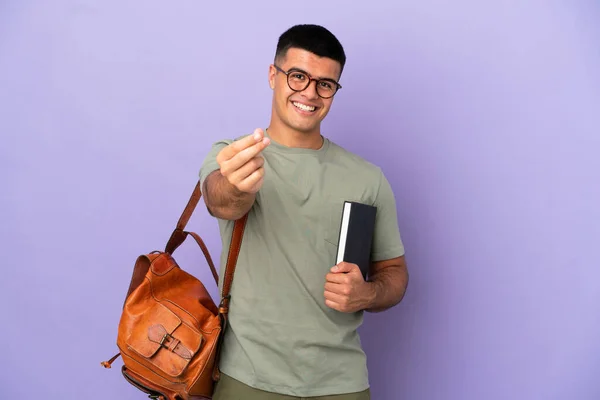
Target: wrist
370, 296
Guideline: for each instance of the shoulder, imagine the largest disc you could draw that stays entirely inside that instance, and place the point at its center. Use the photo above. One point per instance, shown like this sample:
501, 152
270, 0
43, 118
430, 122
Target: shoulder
353, 177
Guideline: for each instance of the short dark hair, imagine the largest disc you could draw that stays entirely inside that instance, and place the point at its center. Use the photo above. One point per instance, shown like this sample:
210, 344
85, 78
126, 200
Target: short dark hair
313, 38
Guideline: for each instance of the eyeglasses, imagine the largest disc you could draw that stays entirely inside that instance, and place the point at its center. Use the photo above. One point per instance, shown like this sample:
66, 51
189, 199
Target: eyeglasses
299, 80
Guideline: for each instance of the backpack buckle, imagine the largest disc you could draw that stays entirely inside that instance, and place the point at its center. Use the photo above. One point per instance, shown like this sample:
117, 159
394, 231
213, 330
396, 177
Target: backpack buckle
224, 305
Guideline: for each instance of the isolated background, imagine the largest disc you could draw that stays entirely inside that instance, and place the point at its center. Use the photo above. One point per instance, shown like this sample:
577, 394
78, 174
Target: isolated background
483, 114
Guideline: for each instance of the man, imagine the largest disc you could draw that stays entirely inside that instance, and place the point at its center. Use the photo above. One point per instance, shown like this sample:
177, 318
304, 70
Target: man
294, 315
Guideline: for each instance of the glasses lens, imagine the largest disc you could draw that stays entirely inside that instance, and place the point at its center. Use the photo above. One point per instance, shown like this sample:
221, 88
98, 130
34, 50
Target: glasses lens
297, 80
326, 89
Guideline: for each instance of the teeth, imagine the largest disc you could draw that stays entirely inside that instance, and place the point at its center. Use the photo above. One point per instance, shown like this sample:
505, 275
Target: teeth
304, 107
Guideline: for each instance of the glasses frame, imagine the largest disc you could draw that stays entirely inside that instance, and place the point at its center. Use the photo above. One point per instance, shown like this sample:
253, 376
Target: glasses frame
310, 79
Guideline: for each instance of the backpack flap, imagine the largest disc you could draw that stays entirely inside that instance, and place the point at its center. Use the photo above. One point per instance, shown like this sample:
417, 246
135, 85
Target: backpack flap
163, 340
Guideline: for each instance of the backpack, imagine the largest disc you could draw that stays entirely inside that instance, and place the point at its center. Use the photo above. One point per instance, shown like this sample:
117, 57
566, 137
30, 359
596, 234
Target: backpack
170, 331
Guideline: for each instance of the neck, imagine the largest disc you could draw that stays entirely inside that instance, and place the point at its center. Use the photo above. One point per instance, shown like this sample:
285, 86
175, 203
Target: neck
288, 137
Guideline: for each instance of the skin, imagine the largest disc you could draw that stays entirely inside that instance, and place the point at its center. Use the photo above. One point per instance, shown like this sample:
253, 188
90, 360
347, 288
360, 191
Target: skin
230, 191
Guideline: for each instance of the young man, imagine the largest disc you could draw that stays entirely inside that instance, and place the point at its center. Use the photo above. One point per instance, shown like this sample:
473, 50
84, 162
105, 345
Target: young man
294, 315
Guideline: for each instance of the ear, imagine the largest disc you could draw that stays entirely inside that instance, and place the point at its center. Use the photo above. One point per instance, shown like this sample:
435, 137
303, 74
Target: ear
272, 73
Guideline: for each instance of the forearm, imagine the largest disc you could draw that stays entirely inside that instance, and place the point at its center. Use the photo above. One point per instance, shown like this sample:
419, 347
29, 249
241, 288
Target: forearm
224, 200
387, 288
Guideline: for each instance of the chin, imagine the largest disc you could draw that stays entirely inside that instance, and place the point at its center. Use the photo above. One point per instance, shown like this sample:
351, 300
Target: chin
305, 128
305, 125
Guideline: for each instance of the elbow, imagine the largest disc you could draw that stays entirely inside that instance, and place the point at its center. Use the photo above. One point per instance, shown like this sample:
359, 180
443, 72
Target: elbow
225, 213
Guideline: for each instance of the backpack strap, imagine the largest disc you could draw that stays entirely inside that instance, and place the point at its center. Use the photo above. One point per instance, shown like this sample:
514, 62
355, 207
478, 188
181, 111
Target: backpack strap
179, 235
234, 252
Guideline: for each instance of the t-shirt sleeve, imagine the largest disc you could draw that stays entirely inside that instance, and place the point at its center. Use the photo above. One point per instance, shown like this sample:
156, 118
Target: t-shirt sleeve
210, 161
387, 242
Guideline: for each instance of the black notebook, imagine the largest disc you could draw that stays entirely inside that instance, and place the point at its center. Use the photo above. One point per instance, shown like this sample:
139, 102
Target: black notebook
356, 235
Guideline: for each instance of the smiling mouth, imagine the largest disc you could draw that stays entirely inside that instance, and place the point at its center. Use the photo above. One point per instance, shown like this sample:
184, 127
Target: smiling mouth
304, 107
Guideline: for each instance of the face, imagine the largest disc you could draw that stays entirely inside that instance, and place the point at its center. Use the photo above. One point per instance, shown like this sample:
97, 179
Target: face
302, 111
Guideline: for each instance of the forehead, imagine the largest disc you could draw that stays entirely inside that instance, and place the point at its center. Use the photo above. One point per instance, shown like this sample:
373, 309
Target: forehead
321, 67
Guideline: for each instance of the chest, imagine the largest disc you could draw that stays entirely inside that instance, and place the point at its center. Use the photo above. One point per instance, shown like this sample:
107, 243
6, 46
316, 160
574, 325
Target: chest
309, 192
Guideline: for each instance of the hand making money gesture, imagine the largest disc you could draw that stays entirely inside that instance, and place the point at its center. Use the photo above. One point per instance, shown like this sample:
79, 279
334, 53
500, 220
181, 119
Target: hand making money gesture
242, 164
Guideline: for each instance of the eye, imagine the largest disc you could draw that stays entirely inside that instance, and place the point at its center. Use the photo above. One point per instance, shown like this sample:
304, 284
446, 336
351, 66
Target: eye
298, 76
326, 85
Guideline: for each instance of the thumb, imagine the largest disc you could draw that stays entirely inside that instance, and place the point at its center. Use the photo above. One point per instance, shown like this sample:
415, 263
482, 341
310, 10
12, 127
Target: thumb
343, 267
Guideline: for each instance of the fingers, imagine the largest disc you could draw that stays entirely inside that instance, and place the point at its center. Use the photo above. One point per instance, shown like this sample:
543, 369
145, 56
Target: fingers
246, 169
257, 185
335, 298
339, 303
333, 305
241, 151
241, 144
248, 177
241, 158
253, 182
338, 278
337, 289
344, 267
343, 272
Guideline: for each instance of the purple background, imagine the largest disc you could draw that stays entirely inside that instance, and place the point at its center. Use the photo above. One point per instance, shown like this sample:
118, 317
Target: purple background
484, 116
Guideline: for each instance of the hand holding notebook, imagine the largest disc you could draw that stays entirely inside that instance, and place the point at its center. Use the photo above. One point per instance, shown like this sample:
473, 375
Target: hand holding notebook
346, 289
356, 235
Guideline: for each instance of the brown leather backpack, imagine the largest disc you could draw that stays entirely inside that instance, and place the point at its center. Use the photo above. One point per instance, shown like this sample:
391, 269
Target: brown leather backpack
170, 330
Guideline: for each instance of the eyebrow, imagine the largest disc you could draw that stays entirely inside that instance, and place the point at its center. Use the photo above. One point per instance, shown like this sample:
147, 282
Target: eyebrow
316, 77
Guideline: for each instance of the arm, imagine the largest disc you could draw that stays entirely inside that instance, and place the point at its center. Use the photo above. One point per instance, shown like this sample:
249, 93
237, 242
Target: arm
223, 199
345, 288
388, 275
387, 284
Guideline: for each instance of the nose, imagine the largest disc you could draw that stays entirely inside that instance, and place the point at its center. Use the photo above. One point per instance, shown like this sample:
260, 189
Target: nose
311, 90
